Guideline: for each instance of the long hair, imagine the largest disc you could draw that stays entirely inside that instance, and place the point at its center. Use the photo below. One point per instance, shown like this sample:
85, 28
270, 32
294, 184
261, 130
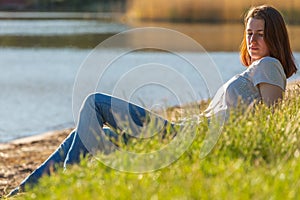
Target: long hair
275, 36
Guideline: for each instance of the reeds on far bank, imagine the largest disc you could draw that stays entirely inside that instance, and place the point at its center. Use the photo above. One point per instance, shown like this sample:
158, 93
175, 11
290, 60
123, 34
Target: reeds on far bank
205, 10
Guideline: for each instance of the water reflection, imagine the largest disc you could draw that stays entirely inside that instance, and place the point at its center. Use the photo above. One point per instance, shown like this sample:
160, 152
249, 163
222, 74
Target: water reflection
218, 37
213, 37
89, 33
84, 41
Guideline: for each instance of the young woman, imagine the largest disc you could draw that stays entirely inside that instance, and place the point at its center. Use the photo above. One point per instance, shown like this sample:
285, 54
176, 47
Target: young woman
265, 51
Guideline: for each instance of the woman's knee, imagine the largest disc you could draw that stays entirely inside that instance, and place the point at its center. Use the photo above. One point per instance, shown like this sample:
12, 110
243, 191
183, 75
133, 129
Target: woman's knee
97, 97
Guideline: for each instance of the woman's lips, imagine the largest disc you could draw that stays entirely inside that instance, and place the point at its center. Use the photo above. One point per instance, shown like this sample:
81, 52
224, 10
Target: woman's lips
253, 48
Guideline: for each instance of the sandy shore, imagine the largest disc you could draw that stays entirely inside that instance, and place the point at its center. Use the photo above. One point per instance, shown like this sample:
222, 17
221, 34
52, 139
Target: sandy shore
20, 157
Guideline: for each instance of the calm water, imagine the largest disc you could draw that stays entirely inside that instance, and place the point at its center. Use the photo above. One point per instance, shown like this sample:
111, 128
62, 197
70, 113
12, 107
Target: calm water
39, 61
87, 34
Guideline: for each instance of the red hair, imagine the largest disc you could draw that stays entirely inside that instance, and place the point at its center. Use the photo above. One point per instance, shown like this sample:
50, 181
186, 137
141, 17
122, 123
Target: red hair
275, 36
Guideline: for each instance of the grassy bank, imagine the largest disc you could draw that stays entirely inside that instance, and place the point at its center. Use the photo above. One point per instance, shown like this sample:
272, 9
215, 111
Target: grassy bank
256, 157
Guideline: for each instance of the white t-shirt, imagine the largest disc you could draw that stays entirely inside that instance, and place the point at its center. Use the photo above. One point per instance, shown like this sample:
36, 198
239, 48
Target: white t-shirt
243, 88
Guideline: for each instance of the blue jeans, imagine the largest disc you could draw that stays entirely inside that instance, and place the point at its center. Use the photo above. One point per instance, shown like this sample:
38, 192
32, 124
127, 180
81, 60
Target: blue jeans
97, 110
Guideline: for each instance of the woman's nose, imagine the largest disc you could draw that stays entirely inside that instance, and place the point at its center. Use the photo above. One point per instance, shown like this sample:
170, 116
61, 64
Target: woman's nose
253, 38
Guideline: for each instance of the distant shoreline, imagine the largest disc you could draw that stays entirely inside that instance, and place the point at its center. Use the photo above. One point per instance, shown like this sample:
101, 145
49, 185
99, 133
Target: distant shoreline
61, 15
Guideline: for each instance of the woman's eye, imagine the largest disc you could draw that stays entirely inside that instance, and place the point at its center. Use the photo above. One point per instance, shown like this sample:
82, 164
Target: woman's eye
257, 34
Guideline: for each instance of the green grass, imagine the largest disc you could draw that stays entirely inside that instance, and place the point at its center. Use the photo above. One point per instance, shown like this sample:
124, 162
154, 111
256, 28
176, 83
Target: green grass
256, 157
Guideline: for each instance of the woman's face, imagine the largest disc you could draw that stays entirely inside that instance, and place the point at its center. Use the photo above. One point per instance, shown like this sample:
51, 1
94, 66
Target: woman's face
256, 45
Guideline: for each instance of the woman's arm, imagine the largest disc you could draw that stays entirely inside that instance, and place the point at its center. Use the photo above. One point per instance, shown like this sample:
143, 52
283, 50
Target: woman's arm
270, 93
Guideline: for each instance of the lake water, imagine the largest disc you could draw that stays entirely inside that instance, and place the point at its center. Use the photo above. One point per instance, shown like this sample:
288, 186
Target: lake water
40, 59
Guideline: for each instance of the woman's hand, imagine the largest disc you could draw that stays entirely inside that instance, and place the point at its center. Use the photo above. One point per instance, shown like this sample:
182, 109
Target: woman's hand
270, 93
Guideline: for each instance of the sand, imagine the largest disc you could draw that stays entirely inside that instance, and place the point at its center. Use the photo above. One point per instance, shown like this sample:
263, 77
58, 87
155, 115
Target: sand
20, 157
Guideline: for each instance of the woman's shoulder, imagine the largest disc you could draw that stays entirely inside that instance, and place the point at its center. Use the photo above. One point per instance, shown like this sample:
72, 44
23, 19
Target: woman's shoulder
268, 64
268, 70
268, 61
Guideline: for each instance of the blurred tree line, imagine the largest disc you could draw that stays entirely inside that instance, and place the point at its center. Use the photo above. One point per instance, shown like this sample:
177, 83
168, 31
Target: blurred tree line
160, 10
64, 5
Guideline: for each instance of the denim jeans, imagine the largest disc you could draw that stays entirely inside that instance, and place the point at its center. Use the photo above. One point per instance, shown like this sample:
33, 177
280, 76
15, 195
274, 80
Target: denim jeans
96, 111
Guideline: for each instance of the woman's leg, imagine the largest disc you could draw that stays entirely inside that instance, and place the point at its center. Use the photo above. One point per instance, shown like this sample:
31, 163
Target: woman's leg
99, 109
55, 160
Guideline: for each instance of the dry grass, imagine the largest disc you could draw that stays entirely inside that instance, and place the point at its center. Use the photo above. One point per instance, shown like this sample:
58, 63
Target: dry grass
204, 10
